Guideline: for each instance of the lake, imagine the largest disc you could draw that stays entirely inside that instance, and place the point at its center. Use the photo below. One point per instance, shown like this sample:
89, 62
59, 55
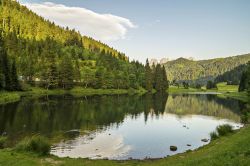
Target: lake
120, 127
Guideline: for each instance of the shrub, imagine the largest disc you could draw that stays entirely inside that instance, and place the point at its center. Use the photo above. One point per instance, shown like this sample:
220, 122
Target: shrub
224, 129
214, 135
37, 144
2, 142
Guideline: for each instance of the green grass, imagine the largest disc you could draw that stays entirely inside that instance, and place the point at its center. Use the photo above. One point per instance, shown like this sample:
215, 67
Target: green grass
2, 142
8, 97
175, 89
37, 144
223, 87
233, 149
223, 130
226, 91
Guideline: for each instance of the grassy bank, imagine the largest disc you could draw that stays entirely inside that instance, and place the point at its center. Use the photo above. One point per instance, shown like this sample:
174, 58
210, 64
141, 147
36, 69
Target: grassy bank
226, 91
229, 150
8, 97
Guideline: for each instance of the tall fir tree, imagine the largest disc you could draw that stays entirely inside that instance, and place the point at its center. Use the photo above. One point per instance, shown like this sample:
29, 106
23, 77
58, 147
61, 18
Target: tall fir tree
148, 77
158, 78
52, 75
243, 82
66, 74
164, 79
15, 85
6, 79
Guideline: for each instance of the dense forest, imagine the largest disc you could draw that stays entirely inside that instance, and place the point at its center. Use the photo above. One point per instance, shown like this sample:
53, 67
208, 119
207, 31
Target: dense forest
245, 80
182, 69
232, 77
8, 76
50, 56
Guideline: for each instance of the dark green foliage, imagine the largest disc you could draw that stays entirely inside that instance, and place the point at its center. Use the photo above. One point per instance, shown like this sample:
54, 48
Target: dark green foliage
185, 85
2, 142
39, 48
245, 79
8, 76
50, 76
37, 144
243, 82
198, 86
148, 77
233, 76
211, 85
213, 135
201, 71
224, 129
160, 78
66, 73
15, 85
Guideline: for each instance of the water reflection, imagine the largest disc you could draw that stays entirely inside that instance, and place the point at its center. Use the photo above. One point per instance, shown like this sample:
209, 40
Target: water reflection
120, 127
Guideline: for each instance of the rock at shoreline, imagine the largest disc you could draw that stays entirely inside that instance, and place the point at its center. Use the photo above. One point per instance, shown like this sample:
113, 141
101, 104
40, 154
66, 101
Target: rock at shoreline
204, 140
72, 133
173, 148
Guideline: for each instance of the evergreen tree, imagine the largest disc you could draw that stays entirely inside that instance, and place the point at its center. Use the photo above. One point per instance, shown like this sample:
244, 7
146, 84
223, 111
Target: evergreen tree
185, 85
158, 78
132, 81
211, 85
243, 82
148, 77
14, 78
66, 75
6, 79
52, 75
164, 79
2, 77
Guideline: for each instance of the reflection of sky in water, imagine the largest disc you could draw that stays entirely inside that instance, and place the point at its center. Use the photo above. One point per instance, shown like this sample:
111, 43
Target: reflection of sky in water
136, 139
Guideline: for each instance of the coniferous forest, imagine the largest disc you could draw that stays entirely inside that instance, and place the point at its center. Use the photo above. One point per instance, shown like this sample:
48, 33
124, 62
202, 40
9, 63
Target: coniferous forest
50, 56
67, 98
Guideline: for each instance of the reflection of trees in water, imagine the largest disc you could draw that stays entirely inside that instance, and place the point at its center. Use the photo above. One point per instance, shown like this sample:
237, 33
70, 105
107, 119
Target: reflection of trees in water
53, 114
209, 105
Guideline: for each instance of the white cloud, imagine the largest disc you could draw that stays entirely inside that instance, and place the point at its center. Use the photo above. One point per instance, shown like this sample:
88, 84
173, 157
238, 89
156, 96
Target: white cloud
105, 27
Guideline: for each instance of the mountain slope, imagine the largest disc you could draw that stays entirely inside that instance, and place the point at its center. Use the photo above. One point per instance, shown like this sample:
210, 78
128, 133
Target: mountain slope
42, 51
201, 71
232, 76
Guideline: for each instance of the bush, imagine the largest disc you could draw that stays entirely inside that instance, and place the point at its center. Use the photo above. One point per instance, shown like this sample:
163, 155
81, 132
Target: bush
37, 144
214, 135
2, 142
224, 129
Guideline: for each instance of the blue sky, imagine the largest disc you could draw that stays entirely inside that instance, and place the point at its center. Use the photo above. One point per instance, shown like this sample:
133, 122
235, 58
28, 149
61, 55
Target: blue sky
202, 29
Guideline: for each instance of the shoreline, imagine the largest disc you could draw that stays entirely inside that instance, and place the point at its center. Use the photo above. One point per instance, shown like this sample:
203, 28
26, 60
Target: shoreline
216, 152
10, 97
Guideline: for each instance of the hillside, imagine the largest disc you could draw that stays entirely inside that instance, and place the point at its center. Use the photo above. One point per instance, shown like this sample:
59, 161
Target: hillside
232, 76
46, 52
201, 71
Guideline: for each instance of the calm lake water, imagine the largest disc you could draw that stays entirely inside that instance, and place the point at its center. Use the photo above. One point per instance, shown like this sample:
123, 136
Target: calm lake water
120, 127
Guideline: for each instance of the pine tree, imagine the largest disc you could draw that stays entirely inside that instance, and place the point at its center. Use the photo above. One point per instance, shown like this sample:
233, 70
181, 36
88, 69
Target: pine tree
243, 82
2, 78
158, 78
14, 78
248, 78
164, 79
52, 75
148, 77
6, 79
66, 74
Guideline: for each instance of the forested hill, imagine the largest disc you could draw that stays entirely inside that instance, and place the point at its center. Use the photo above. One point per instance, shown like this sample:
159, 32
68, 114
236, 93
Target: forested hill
38, 45
46, 55
201, 71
